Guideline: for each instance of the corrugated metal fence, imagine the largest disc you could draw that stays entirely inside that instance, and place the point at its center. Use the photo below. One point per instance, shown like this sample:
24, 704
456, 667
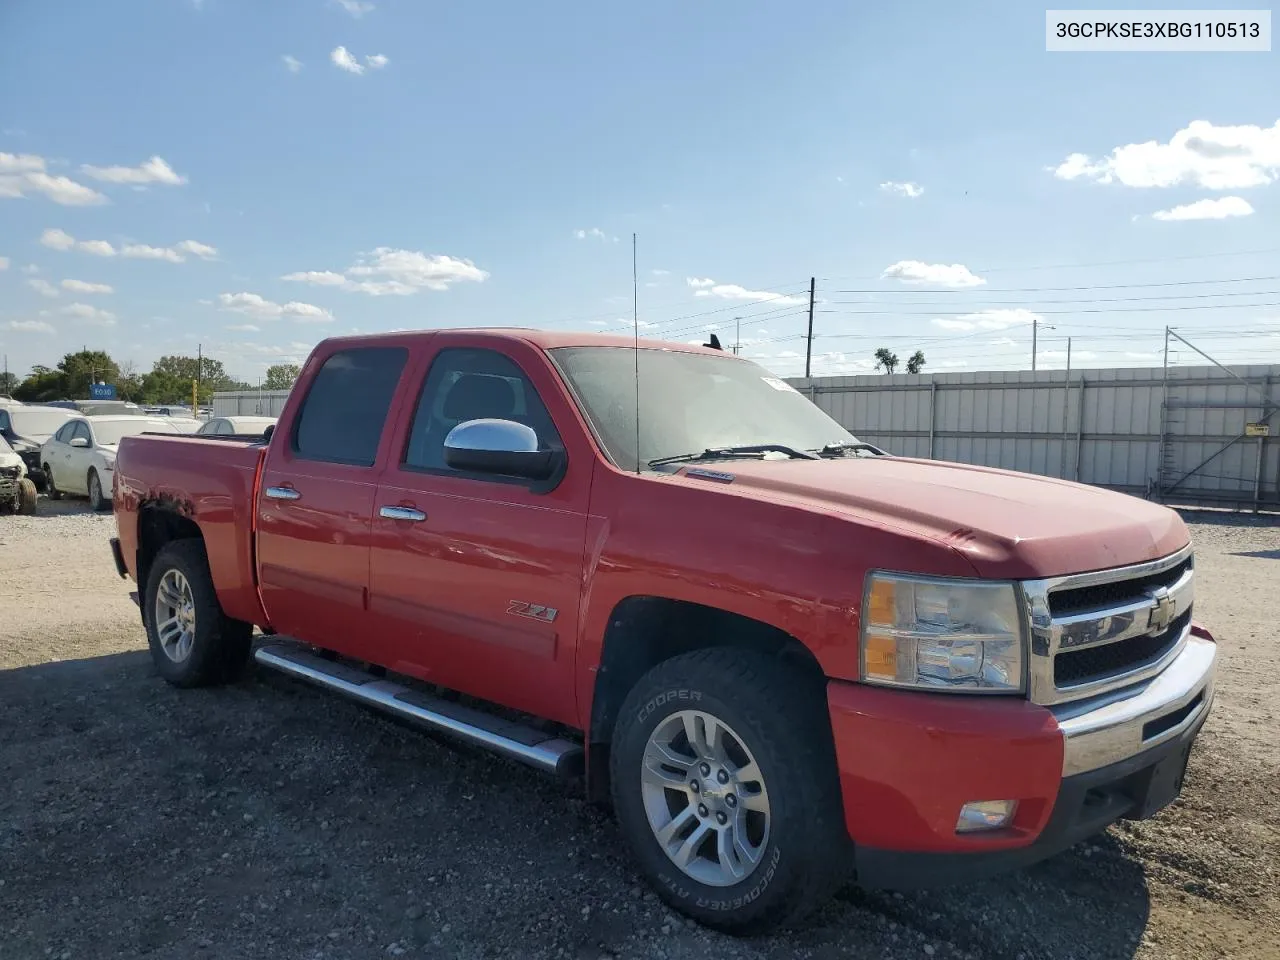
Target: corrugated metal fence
249, 403
1192, 439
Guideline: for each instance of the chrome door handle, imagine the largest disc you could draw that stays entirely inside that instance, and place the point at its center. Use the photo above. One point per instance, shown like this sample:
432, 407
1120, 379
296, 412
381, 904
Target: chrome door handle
282, 493
402, 513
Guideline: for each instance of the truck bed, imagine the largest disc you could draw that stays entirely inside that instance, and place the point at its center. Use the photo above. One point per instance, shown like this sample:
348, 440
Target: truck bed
206, 480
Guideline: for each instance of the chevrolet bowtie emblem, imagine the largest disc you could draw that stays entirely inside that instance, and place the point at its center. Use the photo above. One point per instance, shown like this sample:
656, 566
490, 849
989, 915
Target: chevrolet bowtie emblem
1163, 611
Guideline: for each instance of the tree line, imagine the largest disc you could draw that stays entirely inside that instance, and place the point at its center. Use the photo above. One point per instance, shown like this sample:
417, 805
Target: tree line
169, 381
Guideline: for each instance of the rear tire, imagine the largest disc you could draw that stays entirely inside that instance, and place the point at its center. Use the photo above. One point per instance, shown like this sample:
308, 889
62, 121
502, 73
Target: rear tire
193, 643
97, 502
769, 807
27, 496
50, 490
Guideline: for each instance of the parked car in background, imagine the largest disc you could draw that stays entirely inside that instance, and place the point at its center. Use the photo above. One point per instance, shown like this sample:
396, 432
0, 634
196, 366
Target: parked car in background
236, 426
81, 457
169, 410
8, 401
98, 408
27, 428
185, 424
17, 492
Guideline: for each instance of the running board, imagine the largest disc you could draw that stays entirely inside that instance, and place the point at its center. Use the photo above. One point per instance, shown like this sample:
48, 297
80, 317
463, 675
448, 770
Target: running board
525, 744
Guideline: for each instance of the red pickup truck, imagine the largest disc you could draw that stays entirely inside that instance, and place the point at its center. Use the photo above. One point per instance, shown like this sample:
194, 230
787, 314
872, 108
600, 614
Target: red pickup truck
785, 657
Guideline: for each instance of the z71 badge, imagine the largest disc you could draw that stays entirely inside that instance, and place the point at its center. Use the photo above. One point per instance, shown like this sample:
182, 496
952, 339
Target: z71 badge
533, 611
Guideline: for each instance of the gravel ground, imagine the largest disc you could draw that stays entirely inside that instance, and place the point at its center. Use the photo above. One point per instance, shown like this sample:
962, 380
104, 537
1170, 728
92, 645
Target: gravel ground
269, 819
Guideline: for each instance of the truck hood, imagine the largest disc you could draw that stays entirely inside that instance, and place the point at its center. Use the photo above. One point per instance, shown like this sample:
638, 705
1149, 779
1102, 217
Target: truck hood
1008, 525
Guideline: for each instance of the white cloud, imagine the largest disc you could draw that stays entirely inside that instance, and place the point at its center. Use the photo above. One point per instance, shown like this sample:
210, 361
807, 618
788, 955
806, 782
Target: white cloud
258, 307
30, 326
1209, 156
357, 8
30, 269
81, 286
732, 291
99, 248
660, 273
141, 251
61, 240
788, 355
941, 274
343, 60
594, 233
1207, 209
291, 62
244, 328
155, 170
1003, 342
386, 270
699, 283
42, 287
600, 323
57, 239
989, 320
198, 249
319, 278
90, 314
4, 263
376, 61
903, 189
24, 174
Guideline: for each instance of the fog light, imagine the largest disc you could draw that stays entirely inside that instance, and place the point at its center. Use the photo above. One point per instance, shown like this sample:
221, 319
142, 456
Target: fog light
985, 815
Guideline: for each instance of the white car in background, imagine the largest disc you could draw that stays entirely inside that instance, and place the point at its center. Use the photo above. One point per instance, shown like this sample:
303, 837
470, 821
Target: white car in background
81, 457
236, 426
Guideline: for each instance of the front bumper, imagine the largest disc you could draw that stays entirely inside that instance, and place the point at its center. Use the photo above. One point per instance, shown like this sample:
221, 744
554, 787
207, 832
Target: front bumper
908, 764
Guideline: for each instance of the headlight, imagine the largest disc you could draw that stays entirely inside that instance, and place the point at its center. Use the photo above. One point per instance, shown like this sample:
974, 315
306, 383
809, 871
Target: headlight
942, 635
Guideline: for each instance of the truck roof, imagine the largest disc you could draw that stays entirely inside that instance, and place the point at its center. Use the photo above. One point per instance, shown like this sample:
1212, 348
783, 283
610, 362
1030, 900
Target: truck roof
543, 339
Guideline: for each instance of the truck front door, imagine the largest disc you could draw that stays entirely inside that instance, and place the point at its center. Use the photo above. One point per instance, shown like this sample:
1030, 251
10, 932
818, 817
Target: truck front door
475, 580
317, 495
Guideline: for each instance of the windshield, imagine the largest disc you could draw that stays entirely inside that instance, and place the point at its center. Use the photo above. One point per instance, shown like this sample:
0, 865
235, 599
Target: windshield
689, 402
38, 423
109, 434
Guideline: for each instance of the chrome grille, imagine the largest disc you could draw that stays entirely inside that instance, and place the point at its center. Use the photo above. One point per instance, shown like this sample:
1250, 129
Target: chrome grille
1094, 632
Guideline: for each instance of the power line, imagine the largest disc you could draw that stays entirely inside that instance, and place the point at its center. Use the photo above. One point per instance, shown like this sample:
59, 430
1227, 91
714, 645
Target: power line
1143, 299
1102, 263
1090, 286
968, 313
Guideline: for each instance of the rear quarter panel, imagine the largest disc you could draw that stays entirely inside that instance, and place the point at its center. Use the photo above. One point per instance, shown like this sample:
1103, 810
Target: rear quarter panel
211, 482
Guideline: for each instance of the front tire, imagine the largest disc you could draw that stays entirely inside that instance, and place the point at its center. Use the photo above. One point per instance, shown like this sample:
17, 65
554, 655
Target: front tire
27, 496
193, 643
50, 490
724, 784
97, 502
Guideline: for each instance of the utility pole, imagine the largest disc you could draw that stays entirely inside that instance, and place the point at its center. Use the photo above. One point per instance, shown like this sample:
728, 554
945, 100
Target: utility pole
1068, 358
1034, 324
195, 408
737, 338
808, 348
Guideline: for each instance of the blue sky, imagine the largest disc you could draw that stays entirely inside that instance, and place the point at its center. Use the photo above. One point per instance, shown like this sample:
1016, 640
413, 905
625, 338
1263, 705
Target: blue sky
420, 164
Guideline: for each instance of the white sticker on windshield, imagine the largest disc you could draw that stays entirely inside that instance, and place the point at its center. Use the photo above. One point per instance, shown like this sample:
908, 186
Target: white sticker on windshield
778, 384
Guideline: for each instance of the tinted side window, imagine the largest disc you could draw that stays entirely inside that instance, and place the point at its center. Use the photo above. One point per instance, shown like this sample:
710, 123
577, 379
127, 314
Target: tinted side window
471, 384
4, 421
345, 409
64, 433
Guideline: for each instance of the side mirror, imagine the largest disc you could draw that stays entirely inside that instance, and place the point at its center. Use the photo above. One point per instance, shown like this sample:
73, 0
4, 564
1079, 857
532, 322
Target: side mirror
499, 446
79, 442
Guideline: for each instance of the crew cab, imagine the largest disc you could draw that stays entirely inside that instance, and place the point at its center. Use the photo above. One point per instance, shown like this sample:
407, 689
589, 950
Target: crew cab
784, 656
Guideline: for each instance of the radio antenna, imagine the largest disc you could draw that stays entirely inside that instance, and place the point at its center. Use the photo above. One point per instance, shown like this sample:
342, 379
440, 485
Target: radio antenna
635, 326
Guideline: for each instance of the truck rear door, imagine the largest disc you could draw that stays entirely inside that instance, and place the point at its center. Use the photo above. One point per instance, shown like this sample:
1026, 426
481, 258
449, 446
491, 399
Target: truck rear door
475, 580
317, 495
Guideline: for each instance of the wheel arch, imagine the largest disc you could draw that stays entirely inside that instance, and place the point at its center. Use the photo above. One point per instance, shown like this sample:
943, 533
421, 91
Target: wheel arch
645, 630
161, 522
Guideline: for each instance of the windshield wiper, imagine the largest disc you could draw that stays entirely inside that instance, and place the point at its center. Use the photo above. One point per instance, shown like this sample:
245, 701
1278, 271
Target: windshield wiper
724, 453
841, 447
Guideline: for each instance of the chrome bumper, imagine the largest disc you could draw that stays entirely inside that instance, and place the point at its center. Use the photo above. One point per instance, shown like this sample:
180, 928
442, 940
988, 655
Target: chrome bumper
1114, 726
